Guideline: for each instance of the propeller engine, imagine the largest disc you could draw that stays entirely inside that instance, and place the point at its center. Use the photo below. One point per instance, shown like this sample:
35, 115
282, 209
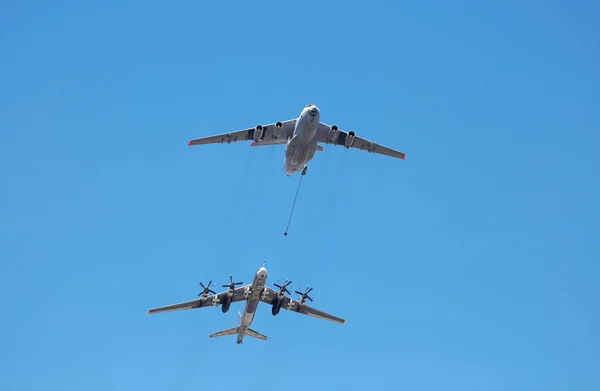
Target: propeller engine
231, 285
283, 288
206, 289
282, 291
304, 295
230, 289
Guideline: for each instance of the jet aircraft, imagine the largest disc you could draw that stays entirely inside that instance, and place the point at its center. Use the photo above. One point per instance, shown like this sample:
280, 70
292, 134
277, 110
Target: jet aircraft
252, 294
301, 137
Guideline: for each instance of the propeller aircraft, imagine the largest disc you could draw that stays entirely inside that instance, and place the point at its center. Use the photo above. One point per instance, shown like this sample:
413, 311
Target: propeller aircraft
253, 294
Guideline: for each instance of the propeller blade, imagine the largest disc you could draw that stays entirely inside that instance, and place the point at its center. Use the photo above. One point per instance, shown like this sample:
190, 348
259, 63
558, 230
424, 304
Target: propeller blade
211, 291
277, 285
230, 279
309, 298
201, 284
308, 291
239, 283
225, 286
300, 293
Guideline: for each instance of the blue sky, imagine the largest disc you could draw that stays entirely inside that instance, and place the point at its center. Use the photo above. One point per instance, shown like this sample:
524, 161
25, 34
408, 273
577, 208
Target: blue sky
471, 265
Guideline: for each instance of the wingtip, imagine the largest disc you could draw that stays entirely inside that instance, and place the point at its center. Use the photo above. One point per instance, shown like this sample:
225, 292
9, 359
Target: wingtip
403, 156
190, 143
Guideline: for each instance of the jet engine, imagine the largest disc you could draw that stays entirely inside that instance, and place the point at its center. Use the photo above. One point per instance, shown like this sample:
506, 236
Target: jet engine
258, 132
349, 139
333, 134
277, 129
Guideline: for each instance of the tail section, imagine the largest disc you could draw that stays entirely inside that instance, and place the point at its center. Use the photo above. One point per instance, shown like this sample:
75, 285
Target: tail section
236, 330
233, 330
254, 334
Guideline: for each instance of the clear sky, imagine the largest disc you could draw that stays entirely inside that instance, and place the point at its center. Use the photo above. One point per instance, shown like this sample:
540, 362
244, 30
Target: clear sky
471, 265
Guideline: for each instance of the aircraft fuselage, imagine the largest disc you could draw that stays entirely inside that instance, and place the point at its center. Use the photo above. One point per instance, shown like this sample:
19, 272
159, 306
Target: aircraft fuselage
252, 303
301, 148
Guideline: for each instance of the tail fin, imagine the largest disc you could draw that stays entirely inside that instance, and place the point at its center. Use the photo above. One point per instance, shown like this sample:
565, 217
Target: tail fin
233, 330
254, 334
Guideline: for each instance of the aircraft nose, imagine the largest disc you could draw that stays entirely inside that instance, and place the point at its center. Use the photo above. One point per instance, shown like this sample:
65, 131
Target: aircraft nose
312, 115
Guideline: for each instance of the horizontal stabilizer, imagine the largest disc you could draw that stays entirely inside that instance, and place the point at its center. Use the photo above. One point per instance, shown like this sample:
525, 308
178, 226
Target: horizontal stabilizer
254, 334
319, 147
233, 330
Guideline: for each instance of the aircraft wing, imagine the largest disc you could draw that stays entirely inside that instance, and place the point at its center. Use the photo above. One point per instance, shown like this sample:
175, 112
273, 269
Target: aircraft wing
360, 143
269, 296
275, 133
214, 300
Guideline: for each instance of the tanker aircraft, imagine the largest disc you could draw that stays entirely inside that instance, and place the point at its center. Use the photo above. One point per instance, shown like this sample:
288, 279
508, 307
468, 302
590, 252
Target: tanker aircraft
252, 294
301, 137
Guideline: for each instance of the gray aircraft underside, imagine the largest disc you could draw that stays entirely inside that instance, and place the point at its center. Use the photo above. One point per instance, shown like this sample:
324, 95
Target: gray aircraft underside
253, 294
301, 137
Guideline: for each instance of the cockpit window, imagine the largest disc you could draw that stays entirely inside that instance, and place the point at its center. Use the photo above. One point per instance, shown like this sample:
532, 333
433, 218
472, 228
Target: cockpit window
310, 104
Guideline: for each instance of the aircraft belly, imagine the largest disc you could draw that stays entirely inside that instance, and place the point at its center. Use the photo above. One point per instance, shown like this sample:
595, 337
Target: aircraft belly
301, 148
305, 132
310, 152
247, 318
251, 307
298, 153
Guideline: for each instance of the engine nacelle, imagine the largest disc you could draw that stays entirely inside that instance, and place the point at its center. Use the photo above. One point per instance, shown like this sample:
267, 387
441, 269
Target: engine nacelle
226, 304
333, 134
277, 129
349, 139
258, 132
276, 307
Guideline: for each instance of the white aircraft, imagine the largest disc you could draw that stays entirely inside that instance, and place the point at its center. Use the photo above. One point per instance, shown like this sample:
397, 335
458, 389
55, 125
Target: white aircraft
300, 136
252, 294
